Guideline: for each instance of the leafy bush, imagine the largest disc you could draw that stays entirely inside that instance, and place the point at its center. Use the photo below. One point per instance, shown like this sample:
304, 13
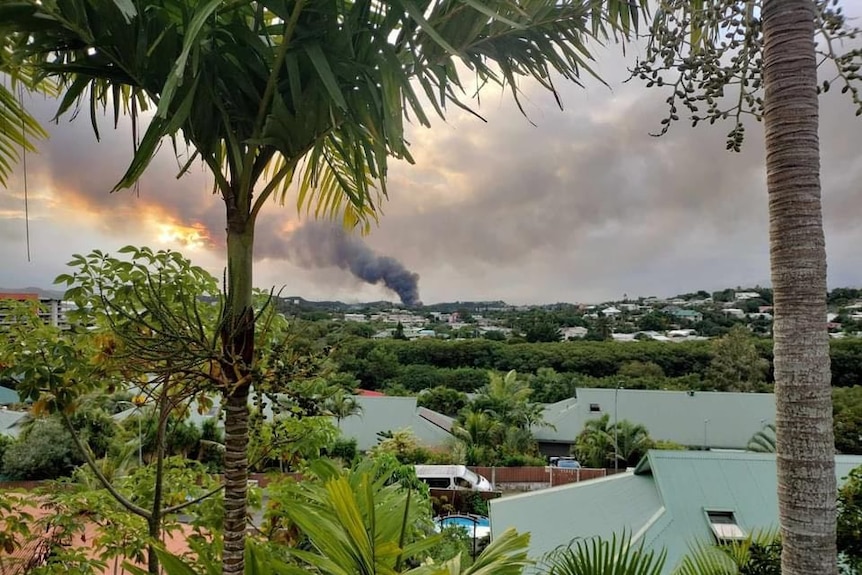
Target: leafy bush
344, 449
474, 503
403, 445
850, 520
96, 428
443, 400
5, 442
211, 448
45, 450
764, 558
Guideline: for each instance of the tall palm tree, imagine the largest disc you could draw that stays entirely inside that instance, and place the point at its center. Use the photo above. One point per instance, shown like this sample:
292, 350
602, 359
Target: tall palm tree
342, 405
702, 48
632, 441
480, 433
273, 92
805, 444
594, 446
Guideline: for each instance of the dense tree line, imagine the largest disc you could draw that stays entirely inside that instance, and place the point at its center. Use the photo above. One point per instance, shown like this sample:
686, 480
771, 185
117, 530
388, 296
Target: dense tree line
374, 363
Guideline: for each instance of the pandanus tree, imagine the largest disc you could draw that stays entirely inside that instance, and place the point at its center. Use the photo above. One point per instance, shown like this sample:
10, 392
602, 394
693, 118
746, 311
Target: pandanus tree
271, 93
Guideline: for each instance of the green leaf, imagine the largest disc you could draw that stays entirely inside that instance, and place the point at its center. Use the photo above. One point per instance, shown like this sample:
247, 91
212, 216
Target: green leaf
324, 71
127, 9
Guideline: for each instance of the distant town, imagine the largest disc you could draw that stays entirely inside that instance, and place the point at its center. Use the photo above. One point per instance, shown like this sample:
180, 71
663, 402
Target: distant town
685, 317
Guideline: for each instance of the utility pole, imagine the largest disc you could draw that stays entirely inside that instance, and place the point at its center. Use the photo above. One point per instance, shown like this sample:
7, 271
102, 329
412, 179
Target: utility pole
616, 430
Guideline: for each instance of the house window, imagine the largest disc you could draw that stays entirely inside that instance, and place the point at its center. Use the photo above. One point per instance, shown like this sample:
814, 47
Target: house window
594, 407
724, 526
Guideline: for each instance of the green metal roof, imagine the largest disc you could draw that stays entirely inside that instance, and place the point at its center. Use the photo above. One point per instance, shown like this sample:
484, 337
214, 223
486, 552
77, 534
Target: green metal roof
694, 419
391, 414
10, 422
663, 502
8, 396
555, 516
386, 413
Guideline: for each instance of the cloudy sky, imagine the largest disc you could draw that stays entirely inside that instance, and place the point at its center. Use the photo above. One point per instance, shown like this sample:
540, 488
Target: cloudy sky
580, 205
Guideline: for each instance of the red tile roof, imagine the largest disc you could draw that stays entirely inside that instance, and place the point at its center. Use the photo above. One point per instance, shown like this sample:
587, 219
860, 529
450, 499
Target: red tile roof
20, 296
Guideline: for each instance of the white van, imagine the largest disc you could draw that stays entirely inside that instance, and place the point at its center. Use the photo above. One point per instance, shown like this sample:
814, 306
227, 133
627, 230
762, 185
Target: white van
456, 477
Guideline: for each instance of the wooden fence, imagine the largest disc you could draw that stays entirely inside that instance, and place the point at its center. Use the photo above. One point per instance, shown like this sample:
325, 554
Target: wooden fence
527, 476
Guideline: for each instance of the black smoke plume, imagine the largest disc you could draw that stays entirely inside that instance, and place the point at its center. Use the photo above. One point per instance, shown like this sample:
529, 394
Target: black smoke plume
317, 244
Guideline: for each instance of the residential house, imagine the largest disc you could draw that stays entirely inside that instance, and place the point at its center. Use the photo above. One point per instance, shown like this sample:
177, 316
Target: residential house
671, 500
764, 316
611, 312
745, 295
575, 332
51, 310
698, 419
376, 414
734, 312
688, 315
681, 333
389, 413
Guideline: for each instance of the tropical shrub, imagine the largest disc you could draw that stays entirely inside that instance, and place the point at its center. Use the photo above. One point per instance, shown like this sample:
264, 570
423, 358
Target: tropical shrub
597, 556
757, 554
344, 449
850, 521
44, 450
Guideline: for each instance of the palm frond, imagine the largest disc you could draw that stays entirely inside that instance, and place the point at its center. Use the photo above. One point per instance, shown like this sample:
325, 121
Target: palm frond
596, 556
763, 441
327, 87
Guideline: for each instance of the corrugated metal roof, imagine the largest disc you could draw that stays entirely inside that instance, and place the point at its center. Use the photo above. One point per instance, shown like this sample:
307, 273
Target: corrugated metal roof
8, 396
716, 419
390, 414
386, 413
678, 486
692, 482
556, 516
10, 422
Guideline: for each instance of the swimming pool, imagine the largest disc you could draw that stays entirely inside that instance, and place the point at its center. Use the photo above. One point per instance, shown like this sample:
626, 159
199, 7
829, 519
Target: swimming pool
476, 526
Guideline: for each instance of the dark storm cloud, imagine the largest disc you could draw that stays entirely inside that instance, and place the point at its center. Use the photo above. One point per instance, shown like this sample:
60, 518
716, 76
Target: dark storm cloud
586, 205
590, 203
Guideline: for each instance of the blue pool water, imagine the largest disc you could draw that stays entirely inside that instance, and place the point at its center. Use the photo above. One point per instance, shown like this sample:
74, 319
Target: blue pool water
465, 521
476, 527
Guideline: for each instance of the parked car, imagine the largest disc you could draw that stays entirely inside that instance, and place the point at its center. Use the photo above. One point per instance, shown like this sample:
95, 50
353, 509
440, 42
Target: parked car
565, 463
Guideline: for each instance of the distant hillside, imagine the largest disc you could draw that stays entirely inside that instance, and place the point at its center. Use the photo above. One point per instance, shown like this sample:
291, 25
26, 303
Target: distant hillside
297, 303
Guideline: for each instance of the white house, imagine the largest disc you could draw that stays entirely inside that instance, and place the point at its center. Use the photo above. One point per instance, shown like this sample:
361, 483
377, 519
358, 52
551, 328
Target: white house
745, 295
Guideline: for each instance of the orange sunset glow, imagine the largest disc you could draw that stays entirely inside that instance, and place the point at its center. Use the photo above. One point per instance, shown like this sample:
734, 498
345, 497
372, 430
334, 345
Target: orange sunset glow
189, 237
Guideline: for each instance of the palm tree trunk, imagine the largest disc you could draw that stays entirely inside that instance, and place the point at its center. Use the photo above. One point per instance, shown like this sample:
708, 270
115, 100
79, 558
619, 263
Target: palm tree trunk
805, 443
238, 341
